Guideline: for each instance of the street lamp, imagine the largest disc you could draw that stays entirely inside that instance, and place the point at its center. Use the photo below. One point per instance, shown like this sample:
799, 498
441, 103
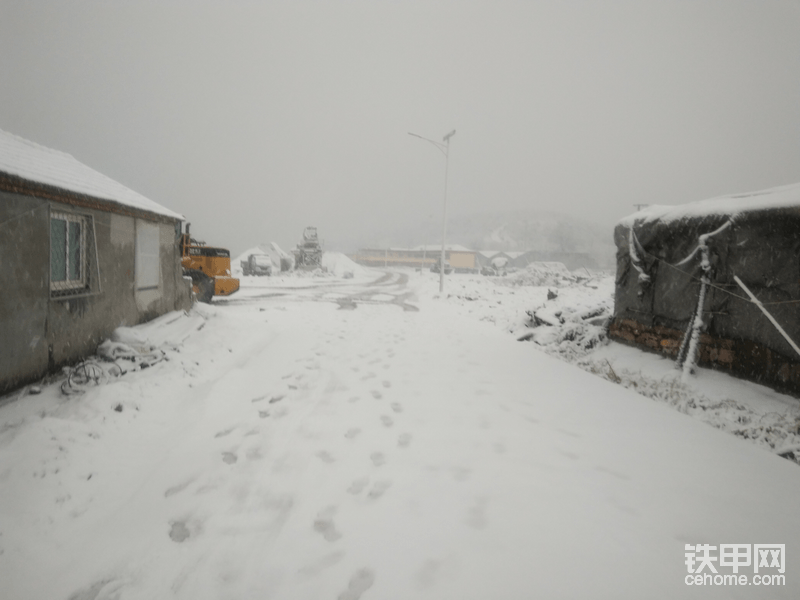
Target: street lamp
444, 148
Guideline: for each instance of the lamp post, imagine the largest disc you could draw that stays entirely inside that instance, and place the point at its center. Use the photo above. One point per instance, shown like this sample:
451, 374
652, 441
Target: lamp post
444, 148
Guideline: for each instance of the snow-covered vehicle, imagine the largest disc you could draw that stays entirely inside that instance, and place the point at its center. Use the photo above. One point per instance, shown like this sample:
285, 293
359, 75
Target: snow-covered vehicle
257, 264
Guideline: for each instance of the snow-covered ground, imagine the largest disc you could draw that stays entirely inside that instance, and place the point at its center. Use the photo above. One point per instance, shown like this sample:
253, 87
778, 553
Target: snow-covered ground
748, 410
322, 437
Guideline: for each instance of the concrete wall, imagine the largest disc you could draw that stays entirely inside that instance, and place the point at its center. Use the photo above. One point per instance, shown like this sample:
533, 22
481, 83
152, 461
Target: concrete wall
39, 333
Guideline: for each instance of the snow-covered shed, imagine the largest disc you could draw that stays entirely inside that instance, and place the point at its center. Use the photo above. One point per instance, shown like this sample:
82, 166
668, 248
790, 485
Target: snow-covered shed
81, 255
492, 258
716, 281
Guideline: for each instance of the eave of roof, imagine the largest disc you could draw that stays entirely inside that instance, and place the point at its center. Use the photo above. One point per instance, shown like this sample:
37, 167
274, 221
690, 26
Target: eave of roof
37, 170
787, 196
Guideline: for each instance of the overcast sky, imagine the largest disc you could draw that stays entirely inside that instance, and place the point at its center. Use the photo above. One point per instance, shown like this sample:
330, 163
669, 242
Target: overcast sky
254, 119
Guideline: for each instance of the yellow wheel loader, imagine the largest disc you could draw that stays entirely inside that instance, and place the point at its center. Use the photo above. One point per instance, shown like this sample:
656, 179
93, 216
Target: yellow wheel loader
209, 268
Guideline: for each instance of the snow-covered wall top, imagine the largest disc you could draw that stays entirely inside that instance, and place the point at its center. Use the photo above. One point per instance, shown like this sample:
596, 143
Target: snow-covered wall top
786, 196
39, 164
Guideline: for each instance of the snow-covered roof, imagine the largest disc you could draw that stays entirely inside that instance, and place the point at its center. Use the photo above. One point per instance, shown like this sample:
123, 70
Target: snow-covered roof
30, 161
438, 247
489, 253
786, 196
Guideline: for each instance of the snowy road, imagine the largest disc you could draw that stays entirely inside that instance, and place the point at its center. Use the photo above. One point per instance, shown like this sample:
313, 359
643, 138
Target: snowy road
348, 439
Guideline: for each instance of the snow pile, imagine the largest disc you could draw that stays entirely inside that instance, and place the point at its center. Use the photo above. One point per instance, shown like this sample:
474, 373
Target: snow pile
553, 274
129, 344
341, 266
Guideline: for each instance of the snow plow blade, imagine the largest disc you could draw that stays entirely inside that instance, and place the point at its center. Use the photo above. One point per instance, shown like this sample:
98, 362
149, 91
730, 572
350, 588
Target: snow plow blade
225, 286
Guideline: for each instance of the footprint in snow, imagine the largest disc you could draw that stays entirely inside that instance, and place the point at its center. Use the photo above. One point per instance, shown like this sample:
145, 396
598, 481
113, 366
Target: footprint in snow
359, 583
325, 457
378, 459
387, 384
178, 531
175, 489
352, 433
397, 407
278, 398
387, 420
324, 524
225, 432
254, 453
358, 485
379, 489
376, 394
229, 458
404, 440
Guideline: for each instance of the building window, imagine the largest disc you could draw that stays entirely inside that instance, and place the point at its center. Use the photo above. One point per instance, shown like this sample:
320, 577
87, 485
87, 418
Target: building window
68, 255
148, 260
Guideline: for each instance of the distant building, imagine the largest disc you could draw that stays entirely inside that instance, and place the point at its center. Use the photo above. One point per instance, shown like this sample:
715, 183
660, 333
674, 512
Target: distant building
520, 260
81, 255
463, 260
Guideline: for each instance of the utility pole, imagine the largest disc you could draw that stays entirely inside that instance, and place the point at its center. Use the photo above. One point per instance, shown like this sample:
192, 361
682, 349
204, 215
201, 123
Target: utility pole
444, 148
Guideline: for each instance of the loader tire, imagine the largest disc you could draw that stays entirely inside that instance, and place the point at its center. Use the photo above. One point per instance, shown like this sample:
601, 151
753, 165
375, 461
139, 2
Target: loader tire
202, 284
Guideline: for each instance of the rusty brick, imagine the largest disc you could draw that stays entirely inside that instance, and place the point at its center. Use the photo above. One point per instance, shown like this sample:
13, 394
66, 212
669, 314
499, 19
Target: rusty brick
725, 356
649, 340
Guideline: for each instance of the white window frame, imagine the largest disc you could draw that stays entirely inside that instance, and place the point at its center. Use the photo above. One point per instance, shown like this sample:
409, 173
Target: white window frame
68, 284
148, 255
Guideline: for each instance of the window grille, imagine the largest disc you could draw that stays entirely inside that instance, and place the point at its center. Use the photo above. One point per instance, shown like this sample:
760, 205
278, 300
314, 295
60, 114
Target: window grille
73, 256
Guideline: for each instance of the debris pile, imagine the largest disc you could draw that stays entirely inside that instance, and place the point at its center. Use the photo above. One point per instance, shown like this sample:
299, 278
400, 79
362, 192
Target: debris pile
550, 274
570, 331
126, 350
